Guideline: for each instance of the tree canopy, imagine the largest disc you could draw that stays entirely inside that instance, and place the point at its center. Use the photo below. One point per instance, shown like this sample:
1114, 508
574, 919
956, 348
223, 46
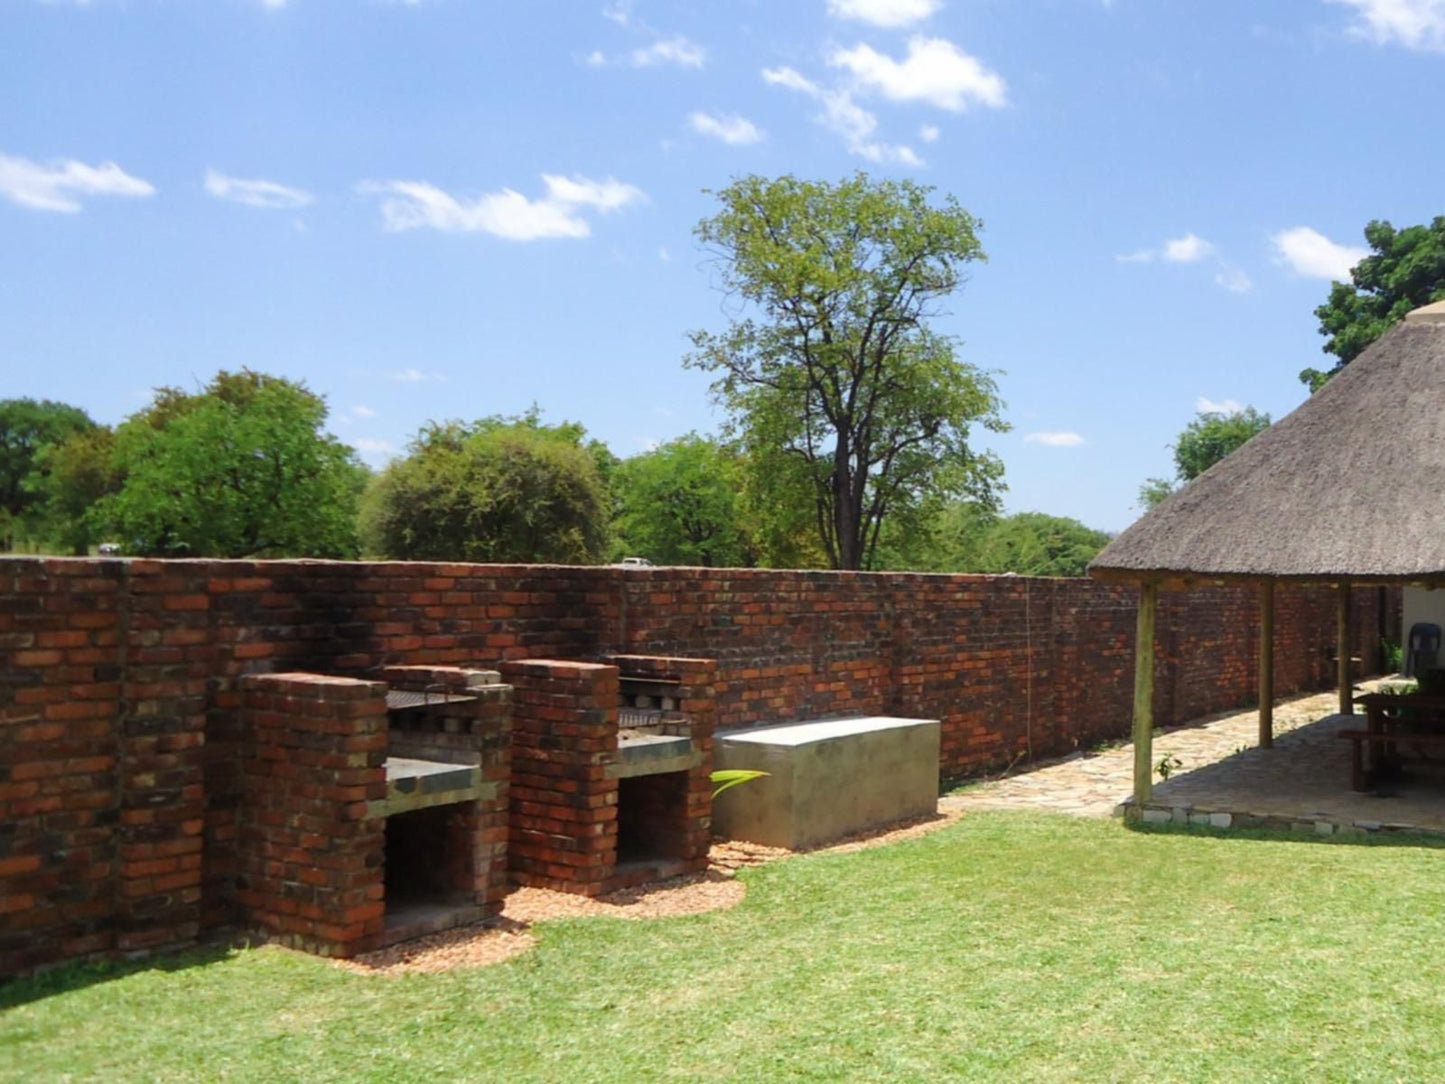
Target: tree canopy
500, 489
846, 401
28, 427
681, 504
1404, 270
238, 469
967, 537
1204, 442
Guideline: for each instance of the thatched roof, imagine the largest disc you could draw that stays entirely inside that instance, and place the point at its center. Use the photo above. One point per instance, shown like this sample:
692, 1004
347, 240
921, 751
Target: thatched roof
1351, 484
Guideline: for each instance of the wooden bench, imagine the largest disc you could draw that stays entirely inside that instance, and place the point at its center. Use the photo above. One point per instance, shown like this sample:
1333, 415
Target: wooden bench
1363, 737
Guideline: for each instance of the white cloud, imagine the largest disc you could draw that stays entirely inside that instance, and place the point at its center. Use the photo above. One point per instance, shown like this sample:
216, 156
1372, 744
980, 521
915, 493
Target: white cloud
935, 71
256, 193
733, 129
663, 254
1233, 279
363, 412
1312, 254
1205, 405
1061, 439
376, 452
597, 58
845, 117
409, 205
929, 133
674, 50
416, 376
1187, 249
1415, 24
619, 13
59, 186
1143, 255
886, 13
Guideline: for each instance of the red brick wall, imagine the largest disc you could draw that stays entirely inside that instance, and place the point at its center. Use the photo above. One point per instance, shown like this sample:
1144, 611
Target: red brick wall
120, 740
311, 848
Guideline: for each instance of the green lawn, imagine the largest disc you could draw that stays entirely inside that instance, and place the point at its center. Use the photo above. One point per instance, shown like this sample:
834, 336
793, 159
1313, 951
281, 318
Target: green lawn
1008, 947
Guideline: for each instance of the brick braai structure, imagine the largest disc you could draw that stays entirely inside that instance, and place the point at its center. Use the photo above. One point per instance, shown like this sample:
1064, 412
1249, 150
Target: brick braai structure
578, 795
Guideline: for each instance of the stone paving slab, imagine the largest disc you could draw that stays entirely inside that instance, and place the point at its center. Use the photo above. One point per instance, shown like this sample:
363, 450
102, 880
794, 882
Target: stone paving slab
1305, 777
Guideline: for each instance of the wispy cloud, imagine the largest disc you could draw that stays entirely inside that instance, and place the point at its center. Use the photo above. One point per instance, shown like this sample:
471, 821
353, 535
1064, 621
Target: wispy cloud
1414, 24
417, 376
409, 205
884, 13
929, 133
1233, 279
1055, 439
935, 71
732, 129
1205, 405
60, 186
1187, 249
677, 50
844, 117
256, 192
363, 412
1310, 253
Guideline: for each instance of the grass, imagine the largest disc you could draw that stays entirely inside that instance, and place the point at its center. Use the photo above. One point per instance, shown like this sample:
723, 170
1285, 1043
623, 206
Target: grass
1009, 946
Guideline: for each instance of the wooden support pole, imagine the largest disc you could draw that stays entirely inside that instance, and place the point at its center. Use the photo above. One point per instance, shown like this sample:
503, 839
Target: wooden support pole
1144, 693
1342, 650
1266, 664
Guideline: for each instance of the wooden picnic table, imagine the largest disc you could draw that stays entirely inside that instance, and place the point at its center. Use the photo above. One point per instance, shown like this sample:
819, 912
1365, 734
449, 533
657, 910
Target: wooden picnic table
1378, 744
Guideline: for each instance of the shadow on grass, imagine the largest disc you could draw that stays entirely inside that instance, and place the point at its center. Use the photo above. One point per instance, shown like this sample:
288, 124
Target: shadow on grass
1425, 840
67, 978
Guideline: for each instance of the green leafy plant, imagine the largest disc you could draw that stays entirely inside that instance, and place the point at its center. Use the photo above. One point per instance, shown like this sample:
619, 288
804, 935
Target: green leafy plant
1394, 655
732, 777
1168, 765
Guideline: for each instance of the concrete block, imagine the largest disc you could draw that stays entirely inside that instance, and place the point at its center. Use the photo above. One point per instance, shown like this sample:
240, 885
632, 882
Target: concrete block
827, 779
1220, 820
1158, 816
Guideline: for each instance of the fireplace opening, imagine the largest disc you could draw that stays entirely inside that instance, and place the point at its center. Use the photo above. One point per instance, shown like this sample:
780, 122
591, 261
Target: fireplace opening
429, 856
652, 818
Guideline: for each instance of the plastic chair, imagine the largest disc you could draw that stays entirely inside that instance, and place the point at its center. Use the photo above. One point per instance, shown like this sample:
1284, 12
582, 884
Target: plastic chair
1421, 647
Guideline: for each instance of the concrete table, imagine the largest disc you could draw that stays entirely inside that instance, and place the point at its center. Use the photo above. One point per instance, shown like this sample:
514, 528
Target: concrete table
827, 778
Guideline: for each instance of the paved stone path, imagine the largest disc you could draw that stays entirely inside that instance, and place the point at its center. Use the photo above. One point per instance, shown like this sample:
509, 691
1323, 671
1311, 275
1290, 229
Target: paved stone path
1094, 784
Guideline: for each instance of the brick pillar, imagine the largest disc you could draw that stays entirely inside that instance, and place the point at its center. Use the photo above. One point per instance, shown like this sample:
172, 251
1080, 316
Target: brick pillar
564, 802
311, 843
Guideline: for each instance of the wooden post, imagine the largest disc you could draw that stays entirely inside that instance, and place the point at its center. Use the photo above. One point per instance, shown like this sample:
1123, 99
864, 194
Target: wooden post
1342, 650
1144, 693
1266, 664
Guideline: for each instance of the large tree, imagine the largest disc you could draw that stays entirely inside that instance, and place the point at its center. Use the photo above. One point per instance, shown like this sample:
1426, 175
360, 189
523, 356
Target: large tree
28, 427
843, 396
1206, 440
681, 504
1404, 270
241, 468
501, 489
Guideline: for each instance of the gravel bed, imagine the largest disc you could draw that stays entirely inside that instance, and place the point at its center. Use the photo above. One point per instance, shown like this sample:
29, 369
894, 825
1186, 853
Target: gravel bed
483, 944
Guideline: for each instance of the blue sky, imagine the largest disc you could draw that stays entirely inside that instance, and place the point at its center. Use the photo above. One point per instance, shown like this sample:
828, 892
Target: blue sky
443, 208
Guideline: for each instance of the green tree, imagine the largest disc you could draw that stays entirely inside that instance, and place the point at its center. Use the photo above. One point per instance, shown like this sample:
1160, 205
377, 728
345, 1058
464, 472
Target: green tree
1205, 441
1035, 544
79, 474
843, 397
1404, 270
681, 504
27, 428
497, 490
241, 468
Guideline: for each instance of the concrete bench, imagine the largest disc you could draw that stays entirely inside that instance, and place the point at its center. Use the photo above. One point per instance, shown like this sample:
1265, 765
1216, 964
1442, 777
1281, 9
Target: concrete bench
827, 778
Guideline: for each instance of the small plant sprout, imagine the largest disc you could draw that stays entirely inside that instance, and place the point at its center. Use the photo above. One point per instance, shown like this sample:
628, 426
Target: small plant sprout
732, 777
1168, 765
